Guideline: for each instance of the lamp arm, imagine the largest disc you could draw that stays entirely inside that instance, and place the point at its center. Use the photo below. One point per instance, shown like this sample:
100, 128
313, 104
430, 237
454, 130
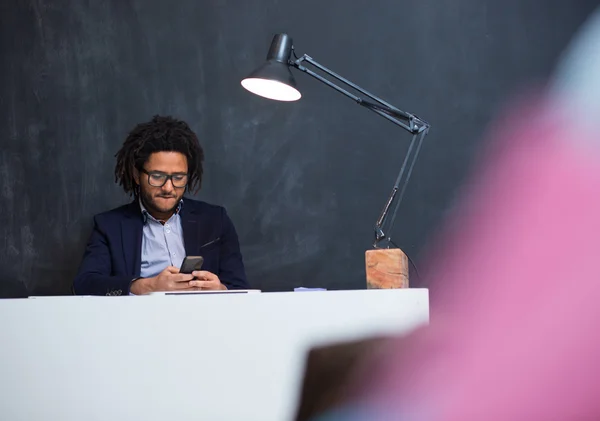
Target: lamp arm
407, 121
398, 190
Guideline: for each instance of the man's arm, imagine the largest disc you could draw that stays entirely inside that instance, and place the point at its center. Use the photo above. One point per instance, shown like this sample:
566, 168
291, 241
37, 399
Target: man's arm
94, 276
231, 271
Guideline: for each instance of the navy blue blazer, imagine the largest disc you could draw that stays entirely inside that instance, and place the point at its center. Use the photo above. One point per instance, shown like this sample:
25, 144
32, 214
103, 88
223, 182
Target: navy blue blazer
112, 258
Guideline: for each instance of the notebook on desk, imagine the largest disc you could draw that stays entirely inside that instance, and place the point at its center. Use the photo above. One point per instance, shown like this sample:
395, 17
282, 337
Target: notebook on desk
226, 291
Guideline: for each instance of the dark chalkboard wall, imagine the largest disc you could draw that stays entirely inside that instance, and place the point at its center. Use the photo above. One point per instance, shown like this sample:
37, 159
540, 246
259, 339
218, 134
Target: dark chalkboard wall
304, 182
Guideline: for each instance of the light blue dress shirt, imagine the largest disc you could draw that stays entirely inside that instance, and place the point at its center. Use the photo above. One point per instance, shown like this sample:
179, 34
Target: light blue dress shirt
162, 244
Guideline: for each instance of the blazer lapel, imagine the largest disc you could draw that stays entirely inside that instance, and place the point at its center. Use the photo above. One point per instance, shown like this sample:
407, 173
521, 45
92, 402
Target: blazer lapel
131, 236
191, 233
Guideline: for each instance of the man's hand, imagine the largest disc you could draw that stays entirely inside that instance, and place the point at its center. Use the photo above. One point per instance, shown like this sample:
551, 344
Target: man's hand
206, 281
168, 280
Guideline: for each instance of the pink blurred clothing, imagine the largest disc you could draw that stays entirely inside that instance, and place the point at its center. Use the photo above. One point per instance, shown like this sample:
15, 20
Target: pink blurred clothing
515, 331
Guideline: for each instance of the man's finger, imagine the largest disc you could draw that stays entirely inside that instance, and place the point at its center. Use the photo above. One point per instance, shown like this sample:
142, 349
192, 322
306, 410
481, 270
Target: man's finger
172, 269
182, 277
203, 284
205, 275
180, 286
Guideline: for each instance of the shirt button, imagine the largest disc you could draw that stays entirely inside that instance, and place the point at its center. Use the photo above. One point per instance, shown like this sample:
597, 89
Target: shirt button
166, 225
168, 231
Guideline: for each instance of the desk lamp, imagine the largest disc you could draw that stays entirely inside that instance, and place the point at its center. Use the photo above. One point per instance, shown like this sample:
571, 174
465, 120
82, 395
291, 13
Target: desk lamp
386, 266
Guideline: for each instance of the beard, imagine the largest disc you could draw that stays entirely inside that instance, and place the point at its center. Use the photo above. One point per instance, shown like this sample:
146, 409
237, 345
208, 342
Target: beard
154, 206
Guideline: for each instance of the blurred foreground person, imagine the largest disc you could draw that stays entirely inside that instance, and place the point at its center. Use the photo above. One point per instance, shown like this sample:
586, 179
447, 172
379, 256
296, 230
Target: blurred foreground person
516, 313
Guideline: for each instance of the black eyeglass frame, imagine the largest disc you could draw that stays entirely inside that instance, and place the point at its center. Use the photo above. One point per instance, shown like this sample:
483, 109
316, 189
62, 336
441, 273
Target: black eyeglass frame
166, 178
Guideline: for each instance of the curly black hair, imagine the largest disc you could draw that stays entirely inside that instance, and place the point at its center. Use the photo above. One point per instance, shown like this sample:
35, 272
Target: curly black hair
161, 134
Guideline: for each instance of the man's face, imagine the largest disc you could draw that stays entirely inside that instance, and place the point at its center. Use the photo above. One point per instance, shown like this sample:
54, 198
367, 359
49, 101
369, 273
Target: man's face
162, 201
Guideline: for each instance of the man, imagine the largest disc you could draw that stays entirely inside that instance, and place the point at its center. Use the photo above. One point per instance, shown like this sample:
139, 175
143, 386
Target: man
138, 248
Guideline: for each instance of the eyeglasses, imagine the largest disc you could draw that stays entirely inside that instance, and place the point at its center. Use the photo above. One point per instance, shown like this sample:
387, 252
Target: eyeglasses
159, 179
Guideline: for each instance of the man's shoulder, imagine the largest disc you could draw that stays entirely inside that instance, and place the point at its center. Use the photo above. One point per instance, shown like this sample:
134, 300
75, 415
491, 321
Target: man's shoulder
194, 205
129, 209
132, 209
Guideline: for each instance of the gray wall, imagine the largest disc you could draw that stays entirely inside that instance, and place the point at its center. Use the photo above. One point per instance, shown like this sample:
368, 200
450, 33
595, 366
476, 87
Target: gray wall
303, 182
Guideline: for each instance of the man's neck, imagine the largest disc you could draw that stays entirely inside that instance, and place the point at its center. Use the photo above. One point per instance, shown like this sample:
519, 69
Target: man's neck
159, 216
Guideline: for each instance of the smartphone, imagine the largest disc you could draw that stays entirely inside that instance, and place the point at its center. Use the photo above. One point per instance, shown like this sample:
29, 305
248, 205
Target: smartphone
191, 263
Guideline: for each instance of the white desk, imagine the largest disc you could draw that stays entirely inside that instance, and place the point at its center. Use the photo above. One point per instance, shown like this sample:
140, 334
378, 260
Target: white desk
217, 357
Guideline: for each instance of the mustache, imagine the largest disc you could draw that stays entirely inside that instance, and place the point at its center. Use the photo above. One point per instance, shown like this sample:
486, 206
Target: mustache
167, 196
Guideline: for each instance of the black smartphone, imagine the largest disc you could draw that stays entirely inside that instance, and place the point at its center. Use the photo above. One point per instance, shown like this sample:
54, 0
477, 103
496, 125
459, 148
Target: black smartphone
191, 263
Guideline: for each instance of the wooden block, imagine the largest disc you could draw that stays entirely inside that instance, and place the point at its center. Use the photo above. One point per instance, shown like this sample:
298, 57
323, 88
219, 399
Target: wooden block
386, 269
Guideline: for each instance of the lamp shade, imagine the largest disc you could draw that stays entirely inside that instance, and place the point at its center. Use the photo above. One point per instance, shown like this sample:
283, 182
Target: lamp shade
274, 79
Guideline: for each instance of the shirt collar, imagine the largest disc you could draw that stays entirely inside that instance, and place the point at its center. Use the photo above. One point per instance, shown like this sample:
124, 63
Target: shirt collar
146, 214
